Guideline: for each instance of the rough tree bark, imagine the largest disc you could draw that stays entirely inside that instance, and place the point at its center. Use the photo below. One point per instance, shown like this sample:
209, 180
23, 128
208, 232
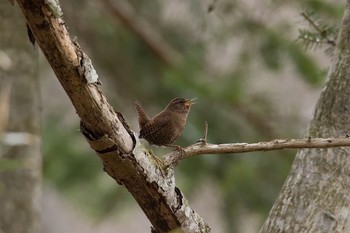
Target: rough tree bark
315, 196
123, 157
20, 155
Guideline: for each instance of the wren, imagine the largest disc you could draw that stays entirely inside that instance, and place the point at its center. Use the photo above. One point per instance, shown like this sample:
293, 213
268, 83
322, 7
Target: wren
164, 128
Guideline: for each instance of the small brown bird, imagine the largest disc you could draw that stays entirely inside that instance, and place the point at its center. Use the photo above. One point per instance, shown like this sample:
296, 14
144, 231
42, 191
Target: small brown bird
164, 128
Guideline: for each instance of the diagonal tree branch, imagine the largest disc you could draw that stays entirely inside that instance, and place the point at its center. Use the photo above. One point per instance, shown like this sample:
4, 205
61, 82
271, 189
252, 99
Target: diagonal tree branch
124, 159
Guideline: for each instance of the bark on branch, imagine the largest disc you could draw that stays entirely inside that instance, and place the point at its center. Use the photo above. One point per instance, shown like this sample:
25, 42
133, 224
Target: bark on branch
124, 159
278, 144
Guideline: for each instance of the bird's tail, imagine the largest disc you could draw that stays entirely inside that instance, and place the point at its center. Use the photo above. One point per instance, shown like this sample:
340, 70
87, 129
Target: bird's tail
143, 117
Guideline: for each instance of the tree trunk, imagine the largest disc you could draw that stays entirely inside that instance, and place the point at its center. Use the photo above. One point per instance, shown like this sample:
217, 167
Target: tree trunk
20, 155
315, 196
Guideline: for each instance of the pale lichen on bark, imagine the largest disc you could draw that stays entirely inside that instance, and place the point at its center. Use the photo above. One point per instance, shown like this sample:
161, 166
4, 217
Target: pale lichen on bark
106, 130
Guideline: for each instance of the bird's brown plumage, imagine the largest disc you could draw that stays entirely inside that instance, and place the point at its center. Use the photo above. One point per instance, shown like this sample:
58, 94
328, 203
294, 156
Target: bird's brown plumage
164, 128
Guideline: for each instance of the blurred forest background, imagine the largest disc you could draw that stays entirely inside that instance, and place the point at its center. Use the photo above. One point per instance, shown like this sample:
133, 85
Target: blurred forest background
247, 64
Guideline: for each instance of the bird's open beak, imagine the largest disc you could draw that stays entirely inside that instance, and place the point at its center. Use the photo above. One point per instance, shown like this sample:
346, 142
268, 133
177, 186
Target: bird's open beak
188, 103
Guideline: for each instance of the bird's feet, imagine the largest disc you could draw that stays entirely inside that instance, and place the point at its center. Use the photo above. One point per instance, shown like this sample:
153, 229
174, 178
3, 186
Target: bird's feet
178, 148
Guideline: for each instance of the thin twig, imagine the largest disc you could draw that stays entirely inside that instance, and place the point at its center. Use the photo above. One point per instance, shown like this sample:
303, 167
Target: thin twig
199, 148
203, 140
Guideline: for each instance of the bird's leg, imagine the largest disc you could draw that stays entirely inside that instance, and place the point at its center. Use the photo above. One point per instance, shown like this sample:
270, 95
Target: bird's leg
177, 148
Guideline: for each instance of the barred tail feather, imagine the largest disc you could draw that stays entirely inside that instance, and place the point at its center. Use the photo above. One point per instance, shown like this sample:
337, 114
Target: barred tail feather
143, 117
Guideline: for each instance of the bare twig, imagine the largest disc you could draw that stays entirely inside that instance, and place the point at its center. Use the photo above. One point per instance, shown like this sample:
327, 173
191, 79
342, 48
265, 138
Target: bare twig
205, 131
205, 136
277, 144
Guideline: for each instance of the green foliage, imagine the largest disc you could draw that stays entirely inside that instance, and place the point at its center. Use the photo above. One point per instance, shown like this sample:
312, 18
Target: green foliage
321, 34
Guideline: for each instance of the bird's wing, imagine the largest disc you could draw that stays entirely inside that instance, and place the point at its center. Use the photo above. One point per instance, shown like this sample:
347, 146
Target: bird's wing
150, 128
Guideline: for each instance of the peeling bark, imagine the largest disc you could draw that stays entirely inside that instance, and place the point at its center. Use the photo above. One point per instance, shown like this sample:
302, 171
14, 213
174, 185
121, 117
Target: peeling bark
123, 157
315, 196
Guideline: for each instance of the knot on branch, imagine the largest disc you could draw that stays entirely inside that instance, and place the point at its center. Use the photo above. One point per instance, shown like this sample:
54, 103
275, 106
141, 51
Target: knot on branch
101, 144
